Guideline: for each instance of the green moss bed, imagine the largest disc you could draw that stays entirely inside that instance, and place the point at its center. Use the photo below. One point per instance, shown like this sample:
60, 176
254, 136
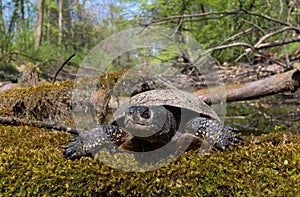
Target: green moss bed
32, 163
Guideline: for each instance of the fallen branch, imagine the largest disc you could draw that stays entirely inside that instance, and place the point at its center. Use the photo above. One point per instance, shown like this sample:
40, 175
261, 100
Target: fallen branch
40, 124
287, 81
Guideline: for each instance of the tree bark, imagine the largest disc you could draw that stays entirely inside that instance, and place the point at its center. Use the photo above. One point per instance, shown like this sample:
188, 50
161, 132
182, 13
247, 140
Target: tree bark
2, 29
13, 18
60, 23
39, 24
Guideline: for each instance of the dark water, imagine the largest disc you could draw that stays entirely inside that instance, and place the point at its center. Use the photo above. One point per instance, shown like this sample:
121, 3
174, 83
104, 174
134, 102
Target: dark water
267, 114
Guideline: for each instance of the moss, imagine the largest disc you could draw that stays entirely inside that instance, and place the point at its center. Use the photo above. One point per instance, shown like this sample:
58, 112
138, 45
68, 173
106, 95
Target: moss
50, 101
31, 163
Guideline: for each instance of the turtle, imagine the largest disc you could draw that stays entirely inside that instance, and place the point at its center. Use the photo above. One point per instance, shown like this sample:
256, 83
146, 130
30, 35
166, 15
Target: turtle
152, 119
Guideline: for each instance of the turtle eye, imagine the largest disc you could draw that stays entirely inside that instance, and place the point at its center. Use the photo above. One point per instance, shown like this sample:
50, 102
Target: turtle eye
146, 113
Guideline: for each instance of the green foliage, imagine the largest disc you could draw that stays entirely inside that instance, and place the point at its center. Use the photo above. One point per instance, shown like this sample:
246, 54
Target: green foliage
214, 29
86, 23
31, 163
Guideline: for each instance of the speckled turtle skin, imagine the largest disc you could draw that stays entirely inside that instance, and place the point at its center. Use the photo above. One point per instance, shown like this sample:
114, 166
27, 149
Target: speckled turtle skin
151, 120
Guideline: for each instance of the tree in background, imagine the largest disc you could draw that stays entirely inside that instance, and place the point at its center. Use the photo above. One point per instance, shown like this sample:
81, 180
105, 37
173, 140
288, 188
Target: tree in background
46, 32
39, 24
230, 29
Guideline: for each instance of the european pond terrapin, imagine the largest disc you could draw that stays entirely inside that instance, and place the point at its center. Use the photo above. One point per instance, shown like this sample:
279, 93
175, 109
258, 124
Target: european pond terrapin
153, 119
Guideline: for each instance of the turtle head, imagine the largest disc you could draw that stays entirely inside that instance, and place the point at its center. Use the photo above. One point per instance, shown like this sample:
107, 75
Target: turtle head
149, 122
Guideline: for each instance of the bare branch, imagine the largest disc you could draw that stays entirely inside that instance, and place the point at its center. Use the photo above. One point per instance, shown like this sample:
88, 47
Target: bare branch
235, 36
227, 46
254, 25
228, 13
259, 44
40, 124
266, 17
278, 43
273, 34
167, 19
61, 67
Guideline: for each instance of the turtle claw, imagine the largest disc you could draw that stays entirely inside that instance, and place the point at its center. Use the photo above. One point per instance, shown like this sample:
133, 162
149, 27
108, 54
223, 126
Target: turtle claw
228, 138
73, 150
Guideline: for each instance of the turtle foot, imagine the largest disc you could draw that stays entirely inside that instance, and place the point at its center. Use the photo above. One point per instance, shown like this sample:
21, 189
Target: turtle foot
74, 150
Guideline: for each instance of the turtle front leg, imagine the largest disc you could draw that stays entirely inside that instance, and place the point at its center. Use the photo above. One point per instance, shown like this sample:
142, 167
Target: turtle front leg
214, 132
89, 143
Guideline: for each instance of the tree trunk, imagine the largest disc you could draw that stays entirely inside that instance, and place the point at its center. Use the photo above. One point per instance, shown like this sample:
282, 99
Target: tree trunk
2, 29
13, 17
60, 23
39, 24
48, 27
22, 6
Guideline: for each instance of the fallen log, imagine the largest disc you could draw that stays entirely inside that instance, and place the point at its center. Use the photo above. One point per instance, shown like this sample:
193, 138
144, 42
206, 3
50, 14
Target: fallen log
287, 81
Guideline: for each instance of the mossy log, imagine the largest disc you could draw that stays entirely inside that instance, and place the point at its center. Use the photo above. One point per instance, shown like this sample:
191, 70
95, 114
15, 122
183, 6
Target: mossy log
53, 101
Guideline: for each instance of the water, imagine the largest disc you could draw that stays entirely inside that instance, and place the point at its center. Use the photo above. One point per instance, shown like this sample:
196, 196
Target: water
267, 114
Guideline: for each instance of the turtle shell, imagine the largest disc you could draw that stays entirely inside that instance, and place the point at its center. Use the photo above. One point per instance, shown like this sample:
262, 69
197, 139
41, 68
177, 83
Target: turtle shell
177, 101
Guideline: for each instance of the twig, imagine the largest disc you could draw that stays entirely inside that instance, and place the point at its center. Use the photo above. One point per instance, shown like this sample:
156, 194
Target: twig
265, 17
247, 51
286, 54
255, 26
37, 123
235, 36
281, 8
61, 67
